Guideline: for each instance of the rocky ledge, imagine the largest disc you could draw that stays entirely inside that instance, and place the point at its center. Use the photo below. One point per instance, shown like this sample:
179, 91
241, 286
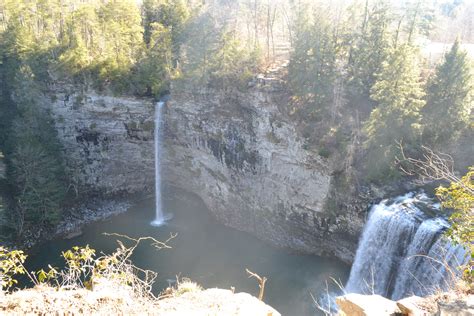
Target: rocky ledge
75, 219
442, 304
119, 300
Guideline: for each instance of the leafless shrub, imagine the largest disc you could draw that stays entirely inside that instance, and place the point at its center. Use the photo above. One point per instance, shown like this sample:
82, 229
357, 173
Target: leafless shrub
327, 307
431, 166
83, 270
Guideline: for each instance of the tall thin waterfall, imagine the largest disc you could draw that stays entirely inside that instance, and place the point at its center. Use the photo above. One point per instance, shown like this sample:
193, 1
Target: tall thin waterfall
402, 251
159, 217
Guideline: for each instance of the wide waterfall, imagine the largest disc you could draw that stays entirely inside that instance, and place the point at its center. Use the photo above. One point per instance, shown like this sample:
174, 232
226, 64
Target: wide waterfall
159, 217
402, 251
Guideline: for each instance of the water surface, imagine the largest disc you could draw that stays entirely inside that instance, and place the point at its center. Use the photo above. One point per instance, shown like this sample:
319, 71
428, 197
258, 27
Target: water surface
208, 253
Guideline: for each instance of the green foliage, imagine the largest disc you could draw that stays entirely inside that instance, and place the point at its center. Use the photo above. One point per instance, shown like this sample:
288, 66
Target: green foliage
215, 56
81, 42
35, 169
93, 42
399, 95
78, 258
172, 15
201, 47
152, 74
120, 25
84, 270
449, 94
371, 57
312, 68
232, 64
420, 17
369, 49
113, 45
324, 152
47, 276
459, 197
11, 264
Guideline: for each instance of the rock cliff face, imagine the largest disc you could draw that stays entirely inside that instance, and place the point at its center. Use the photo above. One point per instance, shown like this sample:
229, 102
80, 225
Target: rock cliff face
237, 151
247, 163
108, 142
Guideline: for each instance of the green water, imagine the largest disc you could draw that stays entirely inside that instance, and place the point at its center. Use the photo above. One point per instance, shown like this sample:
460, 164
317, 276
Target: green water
208, 253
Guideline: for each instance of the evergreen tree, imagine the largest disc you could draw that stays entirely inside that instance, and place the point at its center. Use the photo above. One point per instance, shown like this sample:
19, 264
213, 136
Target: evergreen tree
120, 25
448, 100
152, 74
35, 169
200, 48
396, 120
214, 55
172, 14
80, 41
312, 68
232, 65
369, 50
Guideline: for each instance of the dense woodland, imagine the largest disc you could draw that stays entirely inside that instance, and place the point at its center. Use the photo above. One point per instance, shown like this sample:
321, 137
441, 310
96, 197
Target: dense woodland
358, 83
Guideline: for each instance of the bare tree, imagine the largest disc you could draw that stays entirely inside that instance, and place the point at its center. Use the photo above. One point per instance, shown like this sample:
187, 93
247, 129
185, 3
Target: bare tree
432, 166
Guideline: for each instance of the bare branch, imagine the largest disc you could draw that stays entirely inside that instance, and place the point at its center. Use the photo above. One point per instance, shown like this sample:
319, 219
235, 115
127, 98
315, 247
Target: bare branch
433, 166
155, 243
261, 283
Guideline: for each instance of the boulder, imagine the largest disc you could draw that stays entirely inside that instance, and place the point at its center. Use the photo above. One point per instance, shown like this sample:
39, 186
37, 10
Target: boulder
459, 307
366, 305
410, 306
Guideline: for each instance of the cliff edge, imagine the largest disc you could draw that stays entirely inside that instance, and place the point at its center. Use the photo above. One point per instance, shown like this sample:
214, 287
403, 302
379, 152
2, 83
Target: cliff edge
115, 299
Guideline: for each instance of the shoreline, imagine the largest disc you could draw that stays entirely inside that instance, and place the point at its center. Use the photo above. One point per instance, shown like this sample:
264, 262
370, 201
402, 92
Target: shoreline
73, 221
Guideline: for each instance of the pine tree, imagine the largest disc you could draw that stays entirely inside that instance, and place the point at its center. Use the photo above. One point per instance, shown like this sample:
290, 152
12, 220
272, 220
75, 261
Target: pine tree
35, 169
154, 70
448, 101
120, 23
81, 40
396, 120
172, 14
201, 47
232, 65
312, 68
369, 50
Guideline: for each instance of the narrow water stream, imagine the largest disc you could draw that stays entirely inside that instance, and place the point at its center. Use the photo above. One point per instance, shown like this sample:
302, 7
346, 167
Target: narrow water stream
208, 253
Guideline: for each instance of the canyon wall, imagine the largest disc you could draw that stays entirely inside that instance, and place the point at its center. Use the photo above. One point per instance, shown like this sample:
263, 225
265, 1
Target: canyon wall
108, 141
237, 151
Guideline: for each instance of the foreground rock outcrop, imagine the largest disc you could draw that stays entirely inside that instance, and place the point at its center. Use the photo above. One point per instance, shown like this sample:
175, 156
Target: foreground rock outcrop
237, 151
121, 301
361, 305
441, 304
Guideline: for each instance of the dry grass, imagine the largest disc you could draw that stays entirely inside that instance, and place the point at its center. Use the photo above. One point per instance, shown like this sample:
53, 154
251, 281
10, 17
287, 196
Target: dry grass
110, 299
459, 292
